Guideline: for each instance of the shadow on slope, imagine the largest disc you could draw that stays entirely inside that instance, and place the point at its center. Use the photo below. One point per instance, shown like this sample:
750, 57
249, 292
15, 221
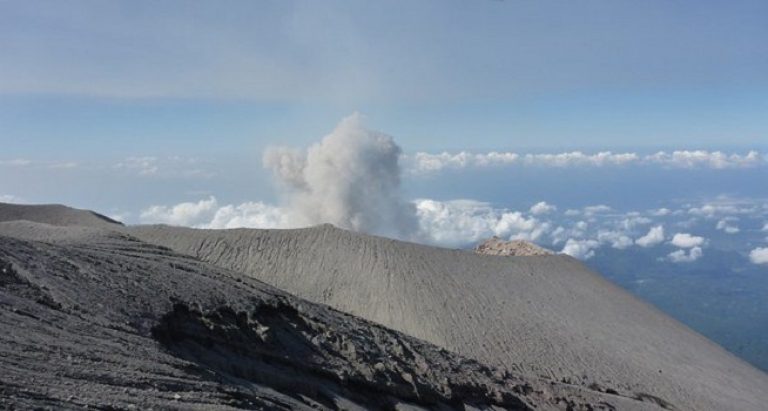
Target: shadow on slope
276, 345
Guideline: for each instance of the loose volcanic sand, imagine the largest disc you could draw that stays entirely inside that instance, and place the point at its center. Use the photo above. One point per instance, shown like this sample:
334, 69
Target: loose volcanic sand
95, 313
546, 315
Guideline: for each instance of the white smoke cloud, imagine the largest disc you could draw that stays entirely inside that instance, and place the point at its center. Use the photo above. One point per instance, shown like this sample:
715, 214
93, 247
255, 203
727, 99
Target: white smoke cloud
351, 179
655, 236
685, 240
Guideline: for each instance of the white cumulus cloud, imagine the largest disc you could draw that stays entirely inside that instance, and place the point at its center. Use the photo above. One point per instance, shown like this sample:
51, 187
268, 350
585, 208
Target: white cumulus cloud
759, 255
685, 240
728, 226
427, 162
577, 158
542, 208
616, 239
457, 223
461, 222
189, 214
249, 215
583, 249
705, 159
681, 256
725, 207
423, 162
596, 209
654, 237
632, 221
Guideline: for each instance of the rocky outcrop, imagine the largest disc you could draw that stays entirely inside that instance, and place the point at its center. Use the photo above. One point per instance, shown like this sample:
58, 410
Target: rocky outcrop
513, 248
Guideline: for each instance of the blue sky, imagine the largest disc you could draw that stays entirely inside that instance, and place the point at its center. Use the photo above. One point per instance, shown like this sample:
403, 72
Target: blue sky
121, 105
91, 78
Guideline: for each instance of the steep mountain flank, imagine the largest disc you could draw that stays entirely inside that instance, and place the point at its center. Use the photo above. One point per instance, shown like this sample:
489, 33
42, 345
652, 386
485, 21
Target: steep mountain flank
106, 321
185, 311
548, 315
55, 214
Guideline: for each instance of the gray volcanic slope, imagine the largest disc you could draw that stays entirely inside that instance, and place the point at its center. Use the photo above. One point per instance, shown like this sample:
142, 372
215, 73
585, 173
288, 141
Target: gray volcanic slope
54, 214
548, 315
92, 318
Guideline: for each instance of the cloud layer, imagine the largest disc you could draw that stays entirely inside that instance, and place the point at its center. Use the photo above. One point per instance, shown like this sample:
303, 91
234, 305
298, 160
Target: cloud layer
421, 163
461, 222
580, 233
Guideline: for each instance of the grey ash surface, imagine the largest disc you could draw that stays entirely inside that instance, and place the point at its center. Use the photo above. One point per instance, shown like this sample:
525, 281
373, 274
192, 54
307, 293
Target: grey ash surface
544, 315
114, 317
99, 319
54, 214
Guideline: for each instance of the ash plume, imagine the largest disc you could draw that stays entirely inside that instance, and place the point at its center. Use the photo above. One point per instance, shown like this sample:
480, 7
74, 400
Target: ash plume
351, 179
